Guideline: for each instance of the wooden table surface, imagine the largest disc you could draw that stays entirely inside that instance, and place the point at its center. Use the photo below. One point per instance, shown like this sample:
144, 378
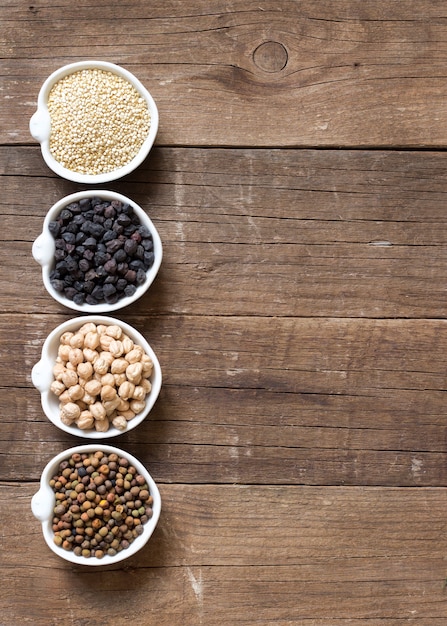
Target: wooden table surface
298, 183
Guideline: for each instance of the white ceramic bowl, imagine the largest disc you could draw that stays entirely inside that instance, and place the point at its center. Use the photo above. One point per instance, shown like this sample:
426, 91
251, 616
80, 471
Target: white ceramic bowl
43, 502
44, 248
42, 376
40, 123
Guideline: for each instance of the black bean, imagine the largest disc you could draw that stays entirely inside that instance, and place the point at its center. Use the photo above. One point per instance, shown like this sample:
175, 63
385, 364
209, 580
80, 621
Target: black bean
102, 251
140, 277
57, 284
130, 246
120, 255
114, 245
55, 228
130, 290
69, 237
148, 259
90, 243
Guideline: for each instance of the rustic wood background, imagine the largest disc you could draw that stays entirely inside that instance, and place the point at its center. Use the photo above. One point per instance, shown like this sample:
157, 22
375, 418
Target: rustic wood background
298, 184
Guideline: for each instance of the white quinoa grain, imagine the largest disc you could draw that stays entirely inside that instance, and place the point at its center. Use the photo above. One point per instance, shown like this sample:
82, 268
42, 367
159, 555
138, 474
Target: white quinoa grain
99, 121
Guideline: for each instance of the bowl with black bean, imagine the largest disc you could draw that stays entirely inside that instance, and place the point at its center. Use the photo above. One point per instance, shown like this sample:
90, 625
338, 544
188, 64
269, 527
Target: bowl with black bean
99, 251
97, 376
95, 122
98, 505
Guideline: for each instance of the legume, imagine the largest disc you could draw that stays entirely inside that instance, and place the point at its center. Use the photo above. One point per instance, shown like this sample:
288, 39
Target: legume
98, 510
102, 251
99, 121
101, 377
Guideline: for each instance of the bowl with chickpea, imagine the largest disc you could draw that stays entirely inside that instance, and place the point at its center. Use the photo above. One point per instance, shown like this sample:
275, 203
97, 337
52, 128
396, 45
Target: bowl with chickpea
98, 377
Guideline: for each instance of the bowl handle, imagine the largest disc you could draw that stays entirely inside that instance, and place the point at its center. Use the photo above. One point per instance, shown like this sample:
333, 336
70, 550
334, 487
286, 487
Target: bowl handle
40, 125
42, 504
41, 376
43, 249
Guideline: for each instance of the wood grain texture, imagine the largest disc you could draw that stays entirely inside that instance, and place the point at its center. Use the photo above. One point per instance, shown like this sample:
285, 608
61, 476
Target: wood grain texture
311, 73
277, 233
298, 184
263, 400
354, 555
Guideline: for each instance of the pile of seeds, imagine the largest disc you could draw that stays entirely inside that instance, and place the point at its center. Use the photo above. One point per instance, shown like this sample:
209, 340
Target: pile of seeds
103, 252
101, 377
99, 121
101, 504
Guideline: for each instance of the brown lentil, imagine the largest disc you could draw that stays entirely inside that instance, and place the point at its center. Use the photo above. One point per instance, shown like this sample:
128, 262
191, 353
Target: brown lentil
100, 525
99, 121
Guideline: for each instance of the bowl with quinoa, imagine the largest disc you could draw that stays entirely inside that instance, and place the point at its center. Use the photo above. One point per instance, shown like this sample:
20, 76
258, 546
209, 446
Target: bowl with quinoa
99, 251
97, 504
95, 122
97, 376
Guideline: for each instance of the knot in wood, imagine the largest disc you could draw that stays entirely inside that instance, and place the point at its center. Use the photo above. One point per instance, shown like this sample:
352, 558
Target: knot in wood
270, 56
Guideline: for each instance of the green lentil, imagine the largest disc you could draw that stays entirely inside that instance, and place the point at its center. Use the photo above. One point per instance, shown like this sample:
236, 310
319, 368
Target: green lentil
93, 519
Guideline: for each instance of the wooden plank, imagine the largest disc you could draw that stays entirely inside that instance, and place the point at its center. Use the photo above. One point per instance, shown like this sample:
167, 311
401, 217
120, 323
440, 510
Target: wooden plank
218, 555
277, 233
313, 73
261, 400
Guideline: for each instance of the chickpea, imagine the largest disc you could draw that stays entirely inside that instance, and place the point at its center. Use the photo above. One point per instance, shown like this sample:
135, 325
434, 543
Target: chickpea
65, 337
98, 411
90, 355
101, 366
128, 344
107, 356
146, 384
126, 390
128, 415
119, 366
137, 406
139, 393
70, 411
93, 387
77, 340
64, 397
119, 422
88, 399
105, 341
148, 365
85, 370
108, 379
133, 372
134, 355
58, 371
88, 327
108, 393
85, 420
119, 379
69, 378
75, 356
116, 348
123, 405
114, 331
57, 387
100, 377
102, 426
75, 392
63, 352
111, 405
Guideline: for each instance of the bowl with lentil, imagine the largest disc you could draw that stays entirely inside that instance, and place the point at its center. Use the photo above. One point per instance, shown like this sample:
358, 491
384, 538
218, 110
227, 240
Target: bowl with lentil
97, 376
95, 122
99, 251
98, 505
